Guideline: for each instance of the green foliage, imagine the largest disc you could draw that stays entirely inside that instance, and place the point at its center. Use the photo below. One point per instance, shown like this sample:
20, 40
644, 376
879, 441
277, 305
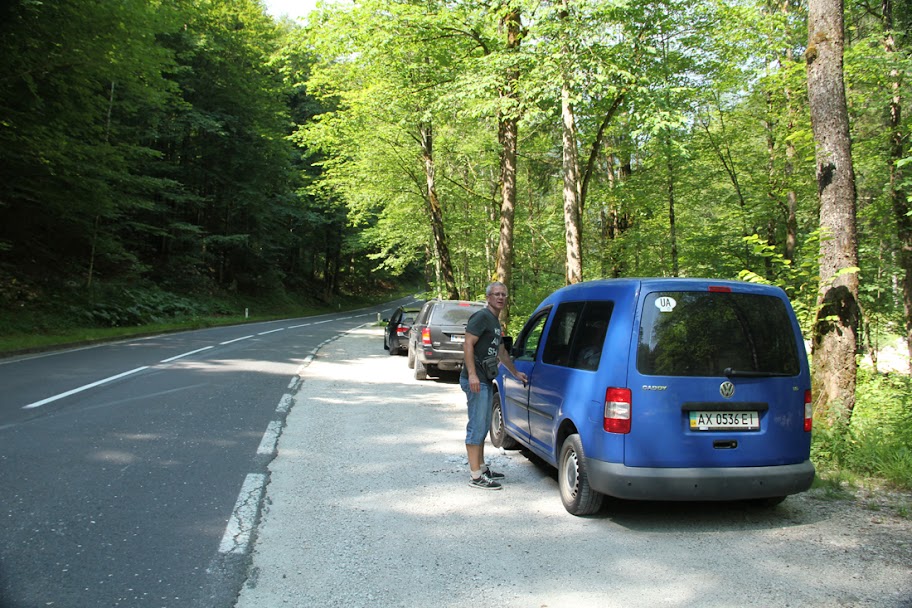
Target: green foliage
878, 440
801, 281
147, 142
137, 307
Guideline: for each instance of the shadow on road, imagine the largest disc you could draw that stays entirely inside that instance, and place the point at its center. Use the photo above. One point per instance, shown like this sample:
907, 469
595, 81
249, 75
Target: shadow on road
697, 516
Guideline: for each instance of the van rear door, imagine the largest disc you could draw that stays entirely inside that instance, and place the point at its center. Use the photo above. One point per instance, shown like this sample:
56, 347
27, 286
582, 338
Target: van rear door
719, 380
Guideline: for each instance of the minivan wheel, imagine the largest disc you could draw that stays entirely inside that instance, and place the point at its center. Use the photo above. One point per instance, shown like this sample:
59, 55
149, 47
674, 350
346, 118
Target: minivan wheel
573, 479
499, 437
420, 370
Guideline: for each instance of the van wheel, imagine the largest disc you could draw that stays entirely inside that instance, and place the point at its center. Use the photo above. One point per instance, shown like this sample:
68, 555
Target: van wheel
573, 479
420, 370
499, 437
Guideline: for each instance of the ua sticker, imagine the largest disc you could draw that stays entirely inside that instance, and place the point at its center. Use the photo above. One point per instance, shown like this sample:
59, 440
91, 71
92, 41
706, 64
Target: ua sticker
665, 304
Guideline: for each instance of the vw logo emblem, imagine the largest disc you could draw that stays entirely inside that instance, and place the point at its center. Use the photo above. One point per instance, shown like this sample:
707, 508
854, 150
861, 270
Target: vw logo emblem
727, 389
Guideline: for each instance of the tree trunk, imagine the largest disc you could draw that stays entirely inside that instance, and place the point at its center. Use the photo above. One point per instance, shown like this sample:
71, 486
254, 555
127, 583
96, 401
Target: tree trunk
791, 211
572, 213
791, 222
440, 240
572, 193
672, 231
898, 195
507, 133
836, 328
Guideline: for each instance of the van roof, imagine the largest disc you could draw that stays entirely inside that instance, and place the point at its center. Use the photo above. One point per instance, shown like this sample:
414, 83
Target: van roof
600, 288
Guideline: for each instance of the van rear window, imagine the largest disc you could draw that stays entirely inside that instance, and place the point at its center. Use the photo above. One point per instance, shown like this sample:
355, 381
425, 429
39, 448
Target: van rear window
685, 333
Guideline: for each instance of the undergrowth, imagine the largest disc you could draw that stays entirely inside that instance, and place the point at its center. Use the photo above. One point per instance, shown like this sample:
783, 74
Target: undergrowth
877, 442
115, 311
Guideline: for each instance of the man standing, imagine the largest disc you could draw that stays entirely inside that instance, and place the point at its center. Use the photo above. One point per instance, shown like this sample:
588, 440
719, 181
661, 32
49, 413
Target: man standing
482, 350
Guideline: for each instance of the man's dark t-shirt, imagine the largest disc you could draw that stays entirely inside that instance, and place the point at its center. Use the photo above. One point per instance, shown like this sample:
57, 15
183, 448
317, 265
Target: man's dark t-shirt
488, 329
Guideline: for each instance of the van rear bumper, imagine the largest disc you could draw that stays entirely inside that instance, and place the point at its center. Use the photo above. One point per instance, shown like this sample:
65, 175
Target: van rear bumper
710, 483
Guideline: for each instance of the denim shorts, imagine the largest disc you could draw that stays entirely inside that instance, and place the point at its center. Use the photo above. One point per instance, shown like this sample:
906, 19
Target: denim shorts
479, 406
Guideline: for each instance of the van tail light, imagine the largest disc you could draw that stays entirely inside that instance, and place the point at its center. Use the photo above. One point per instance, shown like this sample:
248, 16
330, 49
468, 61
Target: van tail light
808, 412
617, 410
426, 336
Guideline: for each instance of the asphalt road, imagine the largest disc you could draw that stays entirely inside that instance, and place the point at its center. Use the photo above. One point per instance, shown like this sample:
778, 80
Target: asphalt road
131, 472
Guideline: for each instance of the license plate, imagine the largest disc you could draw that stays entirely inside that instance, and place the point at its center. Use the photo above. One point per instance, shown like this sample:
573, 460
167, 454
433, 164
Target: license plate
457, 338
724, 421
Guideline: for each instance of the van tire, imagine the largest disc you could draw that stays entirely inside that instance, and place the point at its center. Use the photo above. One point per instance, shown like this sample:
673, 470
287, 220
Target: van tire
411, 358
573, 479
499, 437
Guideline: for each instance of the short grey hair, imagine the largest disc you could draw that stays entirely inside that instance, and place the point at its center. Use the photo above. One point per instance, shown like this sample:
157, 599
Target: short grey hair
491, 287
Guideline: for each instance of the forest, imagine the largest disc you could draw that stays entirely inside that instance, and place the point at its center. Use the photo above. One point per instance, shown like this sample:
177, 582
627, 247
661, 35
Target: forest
168, 158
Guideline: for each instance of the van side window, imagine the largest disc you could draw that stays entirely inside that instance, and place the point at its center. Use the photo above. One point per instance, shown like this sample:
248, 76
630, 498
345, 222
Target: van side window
560, 336
577, 334
528, 343
586, 351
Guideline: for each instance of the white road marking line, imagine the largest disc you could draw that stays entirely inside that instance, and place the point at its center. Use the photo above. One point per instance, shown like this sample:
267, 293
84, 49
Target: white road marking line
192, 352
270, 438
235, 340
271, 331
307, 361
82, 388
240, 525
297, 326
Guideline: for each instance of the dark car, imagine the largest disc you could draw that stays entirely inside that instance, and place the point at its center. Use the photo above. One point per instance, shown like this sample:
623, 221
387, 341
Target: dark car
395, 337
437, 336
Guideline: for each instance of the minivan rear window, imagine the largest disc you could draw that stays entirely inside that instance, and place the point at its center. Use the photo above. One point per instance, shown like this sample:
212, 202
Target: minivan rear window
685, 333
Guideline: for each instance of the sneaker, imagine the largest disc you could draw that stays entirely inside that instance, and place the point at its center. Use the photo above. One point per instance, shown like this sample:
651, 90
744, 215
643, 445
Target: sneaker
483, 482
493, 474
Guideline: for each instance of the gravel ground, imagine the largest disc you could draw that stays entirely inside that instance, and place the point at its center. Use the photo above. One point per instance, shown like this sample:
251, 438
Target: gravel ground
368, 505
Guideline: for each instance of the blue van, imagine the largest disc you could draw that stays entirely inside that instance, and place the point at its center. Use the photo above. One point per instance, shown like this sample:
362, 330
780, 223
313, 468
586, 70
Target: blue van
662, 389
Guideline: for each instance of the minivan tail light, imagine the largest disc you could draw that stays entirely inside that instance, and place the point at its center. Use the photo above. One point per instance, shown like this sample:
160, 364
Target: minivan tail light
808, 412
426, 336
617, 410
